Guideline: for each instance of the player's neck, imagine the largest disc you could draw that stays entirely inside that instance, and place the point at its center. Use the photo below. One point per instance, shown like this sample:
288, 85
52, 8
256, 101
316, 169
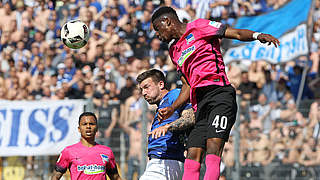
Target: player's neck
182, 27
163, 93
87, 142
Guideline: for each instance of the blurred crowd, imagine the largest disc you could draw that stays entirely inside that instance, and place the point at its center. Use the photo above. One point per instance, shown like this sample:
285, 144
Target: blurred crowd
35, 65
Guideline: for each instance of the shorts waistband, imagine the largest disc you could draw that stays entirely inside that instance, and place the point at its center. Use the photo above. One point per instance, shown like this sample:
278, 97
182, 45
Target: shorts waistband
167, 158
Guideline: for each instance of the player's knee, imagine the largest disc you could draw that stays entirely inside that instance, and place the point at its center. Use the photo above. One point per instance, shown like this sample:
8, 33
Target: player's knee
195, 154
215, 146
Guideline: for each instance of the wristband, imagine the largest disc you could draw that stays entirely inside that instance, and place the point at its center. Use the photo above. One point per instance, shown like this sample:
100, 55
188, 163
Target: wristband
255, 35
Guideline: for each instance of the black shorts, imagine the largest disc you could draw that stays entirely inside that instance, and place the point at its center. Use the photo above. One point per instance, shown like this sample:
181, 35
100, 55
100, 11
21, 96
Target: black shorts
215, 116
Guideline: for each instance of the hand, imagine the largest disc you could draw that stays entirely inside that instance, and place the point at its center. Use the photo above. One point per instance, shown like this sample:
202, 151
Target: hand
267, 38
107, 133
160, 131
165, 113
98, 134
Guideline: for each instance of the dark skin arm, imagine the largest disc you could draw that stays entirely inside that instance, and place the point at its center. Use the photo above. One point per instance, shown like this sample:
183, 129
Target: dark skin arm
186, 120
183, 97
115, 175
56, 175
246, 35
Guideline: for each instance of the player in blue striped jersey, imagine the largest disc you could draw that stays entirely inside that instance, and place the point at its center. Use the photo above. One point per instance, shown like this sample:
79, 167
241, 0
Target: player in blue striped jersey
166, 138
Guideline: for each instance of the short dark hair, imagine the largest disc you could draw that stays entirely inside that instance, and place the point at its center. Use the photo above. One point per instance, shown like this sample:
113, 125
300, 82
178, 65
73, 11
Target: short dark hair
163, 10
155, 74
87, 114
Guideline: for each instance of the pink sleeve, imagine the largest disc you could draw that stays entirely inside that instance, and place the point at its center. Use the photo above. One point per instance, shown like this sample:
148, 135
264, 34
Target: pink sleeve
111, 167
211, 28
112, 162
63, 160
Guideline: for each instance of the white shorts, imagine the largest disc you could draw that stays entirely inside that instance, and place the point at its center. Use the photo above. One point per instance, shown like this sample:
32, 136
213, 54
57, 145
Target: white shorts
163, 169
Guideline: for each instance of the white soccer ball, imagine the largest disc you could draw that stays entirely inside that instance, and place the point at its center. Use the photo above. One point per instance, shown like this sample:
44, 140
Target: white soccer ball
75, 34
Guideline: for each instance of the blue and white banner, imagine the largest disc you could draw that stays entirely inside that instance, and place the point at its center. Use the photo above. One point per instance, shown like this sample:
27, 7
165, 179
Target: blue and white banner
293, 44
29, 128
288, 24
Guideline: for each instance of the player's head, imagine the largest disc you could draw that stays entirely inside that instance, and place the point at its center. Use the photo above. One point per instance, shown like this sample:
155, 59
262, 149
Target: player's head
88, 125
164, 20
152, 83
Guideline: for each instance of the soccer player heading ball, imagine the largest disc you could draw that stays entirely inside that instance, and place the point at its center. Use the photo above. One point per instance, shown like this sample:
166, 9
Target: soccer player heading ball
195, 51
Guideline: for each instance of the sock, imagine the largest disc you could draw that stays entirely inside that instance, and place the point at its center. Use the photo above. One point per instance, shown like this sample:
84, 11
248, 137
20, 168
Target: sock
191, 170
213, 167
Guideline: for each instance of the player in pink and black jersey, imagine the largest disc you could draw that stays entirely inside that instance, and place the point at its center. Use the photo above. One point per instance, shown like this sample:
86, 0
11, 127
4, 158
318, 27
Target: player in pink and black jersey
195, 50
86, 159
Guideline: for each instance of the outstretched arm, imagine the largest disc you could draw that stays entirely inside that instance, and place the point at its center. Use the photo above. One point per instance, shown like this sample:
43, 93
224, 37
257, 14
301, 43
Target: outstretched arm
248, 35
185, 121
183, 97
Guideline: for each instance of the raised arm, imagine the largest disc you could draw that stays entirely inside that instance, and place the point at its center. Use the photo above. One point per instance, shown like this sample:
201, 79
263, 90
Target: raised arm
114, 117
183, 97
248, 35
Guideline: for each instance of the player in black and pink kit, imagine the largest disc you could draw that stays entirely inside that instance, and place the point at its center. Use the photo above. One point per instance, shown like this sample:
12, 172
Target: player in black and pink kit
195, 50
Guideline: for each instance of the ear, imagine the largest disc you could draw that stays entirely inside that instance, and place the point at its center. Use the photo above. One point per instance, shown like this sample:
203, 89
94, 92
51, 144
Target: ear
161, 85
79, 129
168, 21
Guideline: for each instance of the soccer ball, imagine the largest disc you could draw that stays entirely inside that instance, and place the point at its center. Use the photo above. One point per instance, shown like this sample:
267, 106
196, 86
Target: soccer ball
75, 34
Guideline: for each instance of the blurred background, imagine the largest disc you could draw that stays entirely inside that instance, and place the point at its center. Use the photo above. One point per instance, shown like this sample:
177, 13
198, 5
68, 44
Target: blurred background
44, 86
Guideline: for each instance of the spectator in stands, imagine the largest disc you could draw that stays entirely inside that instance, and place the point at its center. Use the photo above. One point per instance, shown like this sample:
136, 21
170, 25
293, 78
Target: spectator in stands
264, 112
132, 108
107, 118
295, 75
70, 69
154, 51
121, 77
228, 156
281, 90
127, 90
314, 119
216, 9
259, 150
141, 46
269, 88
256, 74
62, 75
73, 12
161, 64
247, 89
255, 120
133, 130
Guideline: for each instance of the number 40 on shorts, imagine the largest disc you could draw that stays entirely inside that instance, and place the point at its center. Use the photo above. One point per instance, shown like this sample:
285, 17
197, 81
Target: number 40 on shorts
220, 121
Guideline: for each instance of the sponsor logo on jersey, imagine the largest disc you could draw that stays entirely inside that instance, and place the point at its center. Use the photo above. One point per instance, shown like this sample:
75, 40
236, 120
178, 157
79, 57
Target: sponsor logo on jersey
215, 24
104, 158
185, 54
91, 169
189, 38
